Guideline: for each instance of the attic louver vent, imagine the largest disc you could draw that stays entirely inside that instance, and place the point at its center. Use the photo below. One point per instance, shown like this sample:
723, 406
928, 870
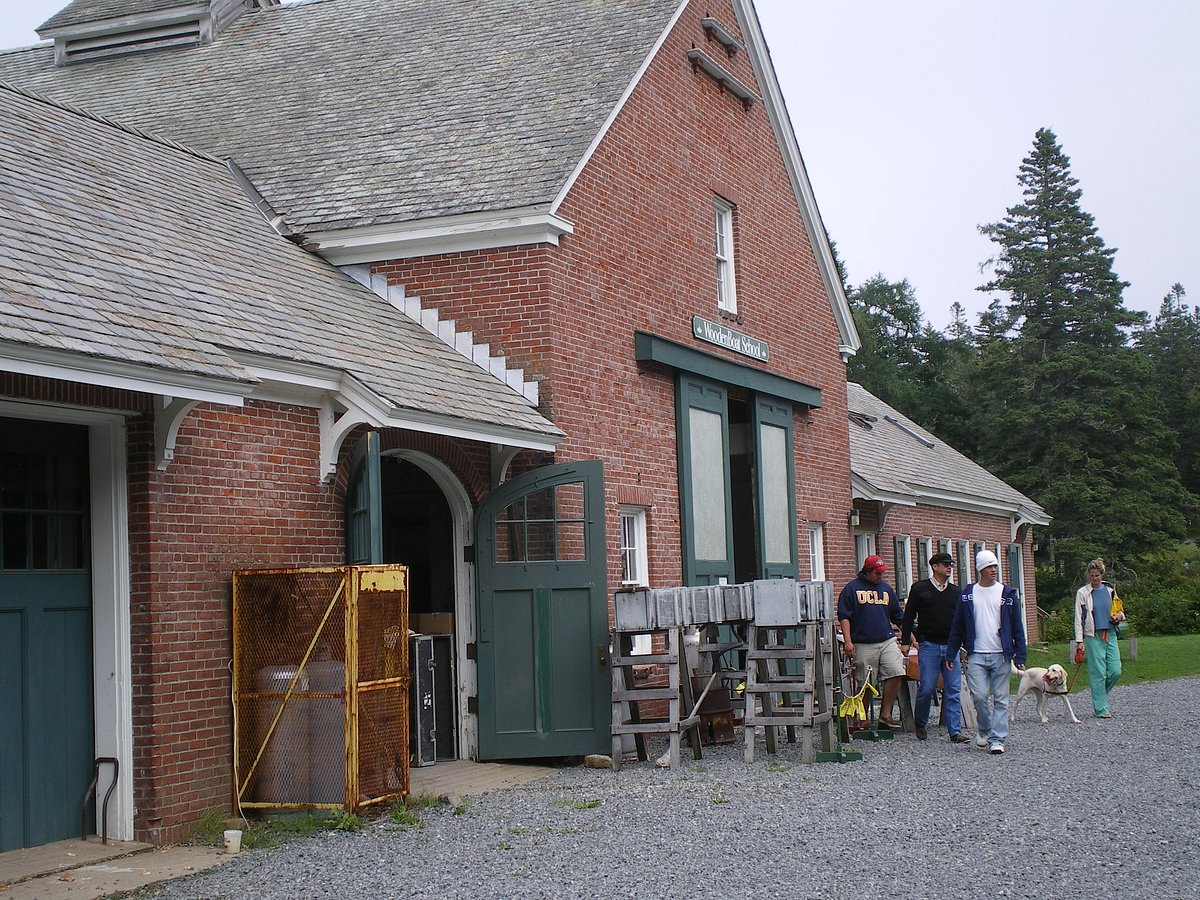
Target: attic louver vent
701, 60
178, 34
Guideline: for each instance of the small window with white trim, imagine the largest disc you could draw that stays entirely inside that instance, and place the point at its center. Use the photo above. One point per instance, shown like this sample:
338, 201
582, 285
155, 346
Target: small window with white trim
816, 550
726, 283
634, 566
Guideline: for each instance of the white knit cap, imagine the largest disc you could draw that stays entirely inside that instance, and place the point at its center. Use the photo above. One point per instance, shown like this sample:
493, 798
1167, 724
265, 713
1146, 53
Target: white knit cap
985, 558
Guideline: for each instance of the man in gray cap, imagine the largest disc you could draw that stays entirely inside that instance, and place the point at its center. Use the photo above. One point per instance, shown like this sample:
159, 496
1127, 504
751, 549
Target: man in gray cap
988, 624
927, 616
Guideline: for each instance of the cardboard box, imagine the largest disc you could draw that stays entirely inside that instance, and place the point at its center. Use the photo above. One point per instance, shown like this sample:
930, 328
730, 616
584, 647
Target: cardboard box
433, 623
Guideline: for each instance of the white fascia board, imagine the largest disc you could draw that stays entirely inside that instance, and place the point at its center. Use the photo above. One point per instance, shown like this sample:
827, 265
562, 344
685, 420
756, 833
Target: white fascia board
83, 369
483, 432
304, 384
785, 137
967, 502
431, 237
616, 110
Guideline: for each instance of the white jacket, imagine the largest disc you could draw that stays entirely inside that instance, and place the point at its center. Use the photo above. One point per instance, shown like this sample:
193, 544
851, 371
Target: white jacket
1084, 622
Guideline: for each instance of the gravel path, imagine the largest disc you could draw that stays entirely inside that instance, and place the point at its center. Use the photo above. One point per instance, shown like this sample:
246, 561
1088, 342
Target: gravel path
1102, 809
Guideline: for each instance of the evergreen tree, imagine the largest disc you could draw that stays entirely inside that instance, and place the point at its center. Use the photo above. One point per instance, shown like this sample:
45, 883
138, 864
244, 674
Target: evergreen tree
888, 319
1172, 344
1063, 410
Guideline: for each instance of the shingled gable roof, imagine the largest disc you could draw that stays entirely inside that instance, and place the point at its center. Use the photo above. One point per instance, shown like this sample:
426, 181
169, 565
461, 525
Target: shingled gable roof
379, 130
895, 460
137, 263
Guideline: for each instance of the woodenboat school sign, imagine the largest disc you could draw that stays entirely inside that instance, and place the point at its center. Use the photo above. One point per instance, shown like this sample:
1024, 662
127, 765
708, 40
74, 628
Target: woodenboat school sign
723, 336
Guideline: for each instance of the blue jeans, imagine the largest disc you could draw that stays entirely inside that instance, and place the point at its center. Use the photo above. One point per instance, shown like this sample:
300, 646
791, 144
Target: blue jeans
989, 673
930, 657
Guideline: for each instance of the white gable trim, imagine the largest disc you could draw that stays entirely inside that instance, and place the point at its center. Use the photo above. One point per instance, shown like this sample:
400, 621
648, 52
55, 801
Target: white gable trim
345, 403
785, 136
83, 369
432, 237
616, 110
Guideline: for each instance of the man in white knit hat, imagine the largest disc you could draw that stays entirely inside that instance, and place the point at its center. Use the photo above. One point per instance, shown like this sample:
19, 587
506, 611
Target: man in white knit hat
988, 624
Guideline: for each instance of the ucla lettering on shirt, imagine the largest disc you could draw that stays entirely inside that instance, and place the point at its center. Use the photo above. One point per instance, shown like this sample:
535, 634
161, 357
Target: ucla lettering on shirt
876, 598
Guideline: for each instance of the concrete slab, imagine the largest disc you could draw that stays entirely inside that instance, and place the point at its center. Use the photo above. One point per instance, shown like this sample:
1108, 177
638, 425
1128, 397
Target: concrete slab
85, 870
461, 777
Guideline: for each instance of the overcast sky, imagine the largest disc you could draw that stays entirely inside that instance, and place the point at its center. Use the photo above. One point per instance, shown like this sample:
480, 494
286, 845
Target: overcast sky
913, 118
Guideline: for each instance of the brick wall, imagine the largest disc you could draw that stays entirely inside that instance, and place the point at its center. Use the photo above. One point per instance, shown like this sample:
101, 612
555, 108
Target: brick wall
641, 258
957, 525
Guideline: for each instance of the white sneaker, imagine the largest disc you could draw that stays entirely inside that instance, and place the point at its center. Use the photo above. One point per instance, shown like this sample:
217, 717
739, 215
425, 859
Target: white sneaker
981, 741
997, 748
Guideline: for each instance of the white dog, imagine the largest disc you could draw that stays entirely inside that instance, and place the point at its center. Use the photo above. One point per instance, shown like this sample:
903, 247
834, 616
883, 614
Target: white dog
1051, 682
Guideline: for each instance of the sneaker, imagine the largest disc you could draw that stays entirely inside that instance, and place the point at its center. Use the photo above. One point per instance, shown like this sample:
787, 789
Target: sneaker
921, 735
996, 748
889, 722
958, 738
981, 741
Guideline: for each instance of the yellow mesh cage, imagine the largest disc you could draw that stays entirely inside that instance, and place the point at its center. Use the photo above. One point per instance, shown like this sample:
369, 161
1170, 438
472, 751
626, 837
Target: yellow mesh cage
320, 687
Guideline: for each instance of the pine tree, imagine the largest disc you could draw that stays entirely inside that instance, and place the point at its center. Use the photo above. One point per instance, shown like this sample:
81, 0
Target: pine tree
1064, 410
1173, 345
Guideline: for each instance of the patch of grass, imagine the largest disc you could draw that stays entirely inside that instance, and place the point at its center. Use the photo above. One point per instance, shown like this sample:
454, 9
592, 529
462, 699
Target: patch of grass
572, 803
273, 832
423, 801
402, 815
517, 829
1160, 658
209, 830
720, 798
774, 765
347, 822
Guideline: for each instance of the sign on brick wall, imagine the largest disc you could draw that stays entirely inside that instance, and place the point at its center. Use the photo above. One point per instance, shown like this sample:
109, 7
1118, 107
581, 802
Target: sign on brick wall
723, 336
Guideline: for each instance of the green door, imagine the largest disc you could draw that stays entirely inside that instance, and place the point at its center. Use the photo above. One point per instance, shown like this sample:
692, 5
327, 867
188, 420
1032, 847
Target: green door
542, 629
364, 504
46, 694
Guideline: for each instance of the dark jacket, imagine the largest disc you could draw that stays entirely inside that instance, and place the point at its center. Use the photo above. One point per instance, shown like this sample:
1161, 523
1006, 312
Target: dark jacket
1012, 626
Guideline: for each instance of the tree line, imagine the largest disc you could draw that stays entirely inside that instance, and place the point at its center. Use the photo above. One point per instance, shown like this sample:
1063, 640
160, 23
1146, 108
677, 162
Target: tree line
1084, 405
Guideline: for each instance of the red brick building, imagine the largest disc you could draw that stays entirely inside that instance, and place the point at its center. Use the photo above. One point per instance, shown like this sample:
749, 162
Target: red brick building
597, 338
914, 496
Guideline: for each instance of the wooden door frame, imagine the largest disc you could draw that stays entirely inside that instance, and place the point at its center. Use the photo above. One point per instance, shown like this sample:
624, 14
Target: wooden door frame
112, 668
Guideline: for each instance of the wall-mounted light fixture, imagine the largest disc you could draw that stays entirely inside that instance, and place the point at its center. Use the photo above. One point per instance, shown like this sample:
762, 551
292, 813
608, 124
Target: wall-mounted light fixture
854, 520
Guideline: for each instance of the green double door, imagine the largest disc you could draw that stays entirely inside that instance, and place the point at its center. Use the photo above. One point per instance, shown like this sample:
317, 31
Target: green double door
541, 643
46, 691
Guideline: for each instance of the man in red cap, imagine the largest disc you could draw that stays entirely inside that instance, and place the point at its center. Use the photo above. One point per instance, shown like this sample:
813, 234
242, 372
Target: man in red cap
869, 613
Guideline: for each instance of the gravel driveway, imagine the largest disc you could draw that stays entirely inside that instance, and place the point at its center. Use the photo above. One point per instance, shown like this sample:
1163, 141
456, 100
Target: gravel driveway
1102, 809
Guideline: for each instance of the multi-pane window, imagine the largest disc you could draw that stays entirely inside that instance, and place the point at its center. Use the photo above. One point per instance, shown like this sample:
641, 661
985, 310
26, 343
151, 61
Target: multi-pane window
726, 285
903, 575
633, 546
924, 551
864, 546
43, 511
816, 550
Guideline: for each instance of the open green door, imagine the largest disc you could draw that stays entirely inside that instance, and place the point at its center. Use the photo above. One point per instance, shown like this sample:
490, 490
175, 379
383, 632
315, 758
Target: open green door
47, 742
364, 504
542, 630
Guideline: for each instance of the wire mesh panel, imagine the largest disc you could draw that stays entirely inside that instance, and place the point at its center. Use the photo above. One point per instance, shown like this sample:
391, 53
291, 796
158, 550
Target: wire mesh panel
297, 677
380, 729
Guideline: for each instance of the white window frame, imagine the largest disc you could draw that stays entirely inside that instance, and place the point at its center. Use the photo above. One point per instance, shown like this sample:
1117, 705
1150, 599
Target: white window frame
816, 550
924, 552
864, 546
634, 552
724, 252
903, 574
